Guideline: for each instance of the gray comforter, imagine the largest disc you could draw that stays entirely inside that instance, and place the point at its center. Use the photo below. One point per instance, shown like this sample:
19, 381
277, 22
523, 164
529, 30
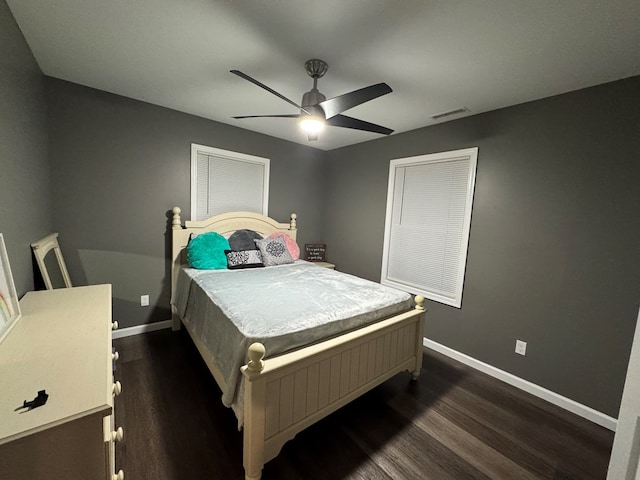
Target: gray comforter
283, 307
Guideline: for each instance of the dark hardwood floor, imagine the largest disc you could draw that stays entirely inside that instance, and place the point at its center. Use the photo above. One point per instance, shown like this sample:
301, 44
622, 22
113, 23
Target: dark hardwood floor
453, 423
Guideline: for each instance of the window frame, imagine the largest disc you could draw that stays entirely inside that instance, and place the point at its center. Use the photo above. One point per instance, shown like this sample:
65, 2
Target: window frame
395, 165
228, 155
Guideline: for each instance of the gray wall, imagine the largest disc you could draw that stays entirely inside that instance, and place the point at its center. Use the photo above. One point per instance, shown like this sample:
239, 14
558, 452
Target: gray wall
120, 165
25, 196
553, 255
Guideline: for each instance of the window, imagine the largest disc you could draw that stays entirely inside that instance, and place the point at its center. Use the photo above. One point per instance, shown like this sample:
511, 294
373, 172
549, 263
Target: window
426, 233
224, 181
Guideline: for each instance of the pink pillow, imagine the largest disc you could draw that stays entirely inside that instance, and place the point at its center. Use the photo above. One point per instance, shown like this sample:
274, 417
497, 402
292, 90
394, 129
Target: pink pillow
292, 246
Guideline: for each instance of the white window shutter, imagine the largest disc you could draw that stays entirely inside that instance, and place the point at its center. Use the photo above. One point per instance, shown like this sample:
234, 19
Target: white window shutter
224, 181
427, 226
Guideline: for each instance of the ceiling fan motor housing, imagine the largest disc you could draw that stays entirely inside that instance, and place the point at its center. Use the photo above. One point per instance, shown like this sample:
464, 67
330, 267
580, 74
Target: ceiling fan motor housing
316, 69
310, 101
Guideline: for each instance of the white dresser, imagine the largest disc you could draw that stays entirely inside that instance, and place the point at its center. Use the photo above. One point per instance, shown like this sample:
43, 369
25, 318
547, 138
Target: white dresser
61, 344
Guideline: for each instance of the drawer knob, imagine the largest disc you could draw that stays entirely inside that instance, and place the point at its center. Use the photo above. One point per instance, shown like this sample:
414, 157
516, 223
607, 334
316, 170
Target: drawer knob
117, 388
118, 476
114, 325
115, 355
117, 435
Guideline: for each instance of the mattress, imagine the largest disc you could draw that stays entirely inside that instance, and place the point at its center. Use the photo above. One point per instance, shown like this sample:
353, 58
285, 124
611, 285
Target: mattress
283, 307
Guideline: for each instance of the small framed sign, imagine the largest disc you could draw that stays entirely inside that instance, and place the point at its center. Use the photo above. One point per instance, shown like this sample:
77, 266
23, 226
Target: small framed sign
9, 305
315, 252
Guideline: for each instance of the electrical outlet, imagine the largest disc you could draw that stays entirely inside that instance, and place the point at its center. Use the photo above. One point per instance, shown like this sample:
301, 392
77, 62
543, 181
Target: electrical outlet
521, 347
144, 300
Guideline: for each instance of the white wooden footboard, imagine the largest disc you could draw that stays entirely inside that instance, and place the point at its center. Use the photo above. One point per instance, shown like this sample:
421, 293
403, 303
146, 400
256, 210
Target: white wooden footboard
287, 393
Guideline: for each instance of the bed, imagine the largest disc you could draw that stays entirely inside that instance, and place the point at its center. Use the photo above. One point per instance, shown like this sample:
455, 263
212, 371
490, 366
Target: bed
288, 366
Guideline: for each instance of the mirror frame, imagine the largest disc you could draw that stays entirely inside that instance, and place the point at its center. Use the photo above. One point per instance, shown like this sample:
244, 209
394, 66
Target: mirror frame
9, 304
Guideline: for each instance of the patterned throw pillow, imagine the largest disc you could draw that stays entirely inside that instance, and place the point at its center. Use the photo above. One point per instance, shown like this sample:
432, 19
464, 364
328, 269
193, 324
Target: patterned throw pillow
274, 251
292, 246
243, 259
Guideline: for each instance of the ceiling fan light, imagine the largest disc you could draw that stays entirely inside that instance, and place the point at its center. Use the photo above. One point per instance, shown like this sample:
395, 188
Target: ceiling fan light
312, 123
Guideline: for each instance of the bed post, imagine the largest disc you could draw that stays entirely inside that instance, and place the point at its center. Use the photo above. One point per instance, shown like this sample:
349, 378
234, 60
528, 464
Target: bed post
293, 224
176, 224
254, 413
419, 342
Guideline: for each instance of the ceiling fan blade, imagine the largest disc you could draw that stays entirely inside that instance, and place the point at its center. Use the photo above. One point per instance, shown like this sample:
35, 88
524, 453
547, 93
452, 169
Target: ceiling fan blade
350, 122
287, 115
342, 103
268, 89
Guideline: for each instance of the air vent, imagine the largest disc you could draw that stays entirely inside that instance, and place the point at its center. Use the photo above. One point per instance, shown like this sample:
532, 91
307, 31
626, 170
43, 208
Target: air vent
457, 111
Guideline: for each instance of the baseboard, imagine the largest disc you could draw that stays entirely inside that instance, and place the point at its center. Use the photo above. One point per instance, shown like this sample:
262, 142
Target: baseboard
536, 390
138, 329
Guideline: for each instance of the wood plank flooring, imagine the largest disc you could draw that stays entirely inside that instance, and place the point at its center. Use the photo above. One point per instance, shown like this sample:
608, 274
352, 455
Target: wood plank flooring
453, 423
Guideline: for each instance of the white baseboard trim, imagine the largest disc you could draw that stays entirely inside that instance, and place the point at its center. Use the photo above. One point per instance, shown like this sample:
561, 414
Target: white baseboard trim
138, 329
536, 390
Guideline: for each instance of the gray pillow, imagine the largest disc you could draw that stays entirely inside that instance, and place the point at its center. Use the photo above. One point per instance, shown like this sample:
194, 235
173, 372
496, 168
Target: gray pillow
274, 251
244, 240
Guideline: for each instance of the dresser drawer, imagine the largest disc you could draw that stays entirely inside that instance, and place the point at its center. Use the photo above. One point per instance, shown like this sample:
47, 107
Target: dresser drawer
111, 435
73, 451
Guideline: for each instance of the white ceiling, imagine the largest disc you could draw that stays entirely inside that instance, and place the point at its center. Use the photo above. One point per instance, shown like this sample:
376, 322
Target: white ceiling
437, 56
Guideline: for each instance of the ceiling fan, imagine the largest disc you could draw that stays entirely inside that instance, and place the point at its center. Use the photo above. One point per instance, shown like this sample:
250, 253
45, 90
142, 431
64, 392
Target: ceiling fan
316, 110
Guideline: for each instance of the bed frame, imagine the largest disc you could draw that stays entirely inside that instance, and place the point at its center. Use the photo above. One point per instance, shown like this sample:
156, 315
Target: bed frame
286, 393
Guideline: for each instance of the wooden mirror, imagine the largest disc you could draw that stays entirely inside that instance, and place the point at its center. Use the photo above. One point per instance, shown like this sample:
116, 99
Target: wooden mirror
51, 263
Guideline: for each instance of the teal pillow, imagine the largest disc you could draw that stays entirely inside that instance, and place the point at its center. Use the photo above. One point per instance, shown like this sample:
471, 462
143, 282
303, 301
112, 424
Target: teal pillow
206, 251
